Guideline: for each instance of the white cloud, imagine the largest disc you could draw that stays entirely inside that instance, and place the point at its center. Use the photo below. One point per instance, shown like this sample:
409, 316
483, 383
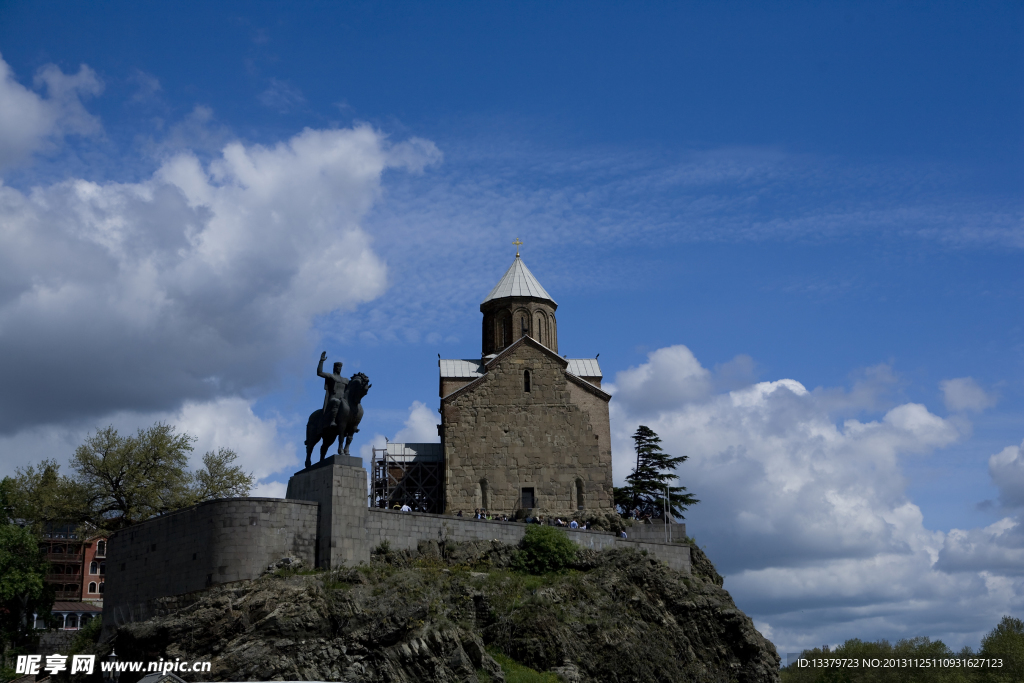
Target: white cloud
147, 87
670, 377
281, 95
1007, 471
28, 120
420, 426
808, 516
997, 549
231, 423
189, 285
269, 489
963, 394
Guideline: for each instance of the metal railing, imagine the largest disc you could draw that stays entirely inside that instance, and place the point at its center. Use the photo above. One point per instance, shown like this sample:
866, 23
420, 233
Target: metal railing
65, 558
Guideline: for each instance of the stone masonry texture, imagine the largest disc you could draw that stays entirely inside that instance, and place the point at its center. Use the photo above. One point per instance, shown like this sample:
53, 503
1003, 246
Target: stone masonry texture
215, 542
338, 485
499, 438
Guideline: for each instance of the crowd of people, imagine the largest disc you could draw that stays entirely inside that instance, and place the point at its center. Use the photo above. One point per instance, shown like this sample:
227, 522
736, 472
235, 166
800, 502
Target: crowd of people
481, 513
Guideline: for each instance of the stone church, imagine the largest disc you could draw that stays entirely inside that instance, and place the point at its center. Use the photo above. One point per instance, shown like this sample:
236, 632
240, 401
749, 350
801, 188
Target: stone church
523, 428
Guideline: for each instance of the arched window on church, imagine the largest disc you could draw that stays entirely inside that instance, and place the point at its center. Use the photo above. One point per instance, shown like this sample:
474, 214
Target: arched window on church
579, 494
92, 586
485, 502
538, 326
504, 330
101, 549
526, 381
94, 568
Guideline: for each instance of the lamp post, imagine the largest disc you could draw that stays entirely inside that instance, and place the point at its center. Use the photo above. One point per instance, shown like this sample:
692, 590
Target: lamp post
111, 674
668, 534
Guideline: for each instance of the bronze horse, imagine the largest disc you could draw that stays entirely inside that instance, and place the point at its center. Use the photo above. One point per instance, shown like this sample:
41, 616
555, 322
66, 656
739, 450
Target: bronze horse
350, 412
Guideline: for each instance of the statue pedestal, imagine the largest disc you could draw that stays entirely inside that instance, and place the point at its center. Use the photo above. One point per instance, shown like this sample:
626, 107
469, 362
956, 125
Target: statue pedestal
339, 486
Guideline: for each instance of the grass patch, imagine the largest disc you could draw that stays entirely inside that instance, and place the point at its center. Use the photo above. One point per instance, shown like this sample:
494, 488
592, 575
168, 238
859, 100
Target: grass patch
284, 572
517, 673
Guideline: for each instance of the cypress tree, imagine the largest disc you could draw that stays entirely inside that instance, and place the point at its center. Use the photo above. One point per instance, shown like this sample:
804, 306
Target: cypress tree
645, 486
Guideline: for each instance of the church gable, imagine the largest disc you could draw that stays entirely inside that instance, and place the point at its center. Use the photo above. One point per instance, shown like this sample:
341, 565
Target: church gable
525, 355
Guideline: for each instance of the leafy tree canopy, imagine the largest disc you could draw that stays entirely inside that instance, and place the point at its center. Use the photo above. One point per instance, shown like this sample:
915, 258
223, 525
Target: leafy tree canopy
1005, 642
22, 590
646, 485
122, 480
40, 494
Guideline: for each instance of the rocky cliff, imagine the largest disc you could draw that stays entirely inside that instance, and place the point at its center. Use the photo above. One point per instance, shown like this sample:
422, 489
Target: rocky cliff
441, 613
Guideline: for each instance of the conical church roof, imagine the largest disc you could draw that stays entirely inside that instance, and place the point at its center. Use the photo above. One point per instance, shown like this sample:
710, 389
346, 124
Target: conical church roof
518, 281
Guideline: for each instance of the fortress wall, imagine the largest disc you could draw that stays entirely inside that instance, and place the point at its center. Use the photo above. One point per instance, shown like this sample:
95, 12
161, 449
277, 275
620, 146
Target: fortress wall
237, 538
214, 542
404, 531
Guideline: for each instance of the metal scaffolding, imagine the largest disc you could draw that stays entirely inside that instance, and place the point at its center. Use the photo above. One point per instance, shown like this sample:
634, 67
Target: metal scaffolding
408, 474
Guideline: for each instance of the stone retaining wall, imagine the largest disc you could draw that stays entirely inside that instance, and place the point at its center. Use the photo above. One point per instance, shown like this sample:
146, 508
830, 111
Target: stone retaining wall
656, 532
215, 542
404, 530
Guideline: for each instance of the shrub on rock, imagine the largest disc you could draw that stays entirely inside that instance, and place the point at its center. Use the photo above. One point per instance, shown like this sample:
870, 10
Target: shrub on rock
544, 549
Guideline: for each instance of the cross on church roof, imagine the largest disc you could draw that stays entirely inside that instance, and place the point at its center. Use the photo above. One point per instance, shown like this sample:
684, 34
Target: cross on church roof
517, 242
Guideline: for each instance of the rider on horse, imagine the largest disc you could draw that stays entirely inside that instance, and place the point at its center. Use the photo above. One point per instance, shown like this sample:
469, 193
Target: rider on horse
334, 385
339, 419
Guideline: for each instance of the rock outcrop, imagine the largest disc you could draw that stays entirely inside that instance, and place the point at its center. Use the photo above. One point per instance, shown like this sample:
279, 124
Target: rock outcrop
433, 615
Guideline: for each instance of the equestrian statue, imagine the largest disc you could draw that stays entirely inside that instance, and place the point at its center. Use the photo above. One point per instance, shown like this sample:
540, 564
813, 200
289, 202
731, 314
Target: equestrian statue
342, 411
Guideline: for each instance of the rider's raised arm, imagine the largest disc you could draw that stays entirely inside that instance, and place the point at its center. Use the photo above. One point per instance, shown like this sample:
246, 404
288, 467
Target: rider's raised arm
320, 366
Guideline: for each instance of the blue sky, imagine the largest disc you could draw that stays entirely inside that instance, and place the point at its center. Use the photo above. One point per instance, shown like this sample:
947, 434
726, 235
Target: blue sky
793, 233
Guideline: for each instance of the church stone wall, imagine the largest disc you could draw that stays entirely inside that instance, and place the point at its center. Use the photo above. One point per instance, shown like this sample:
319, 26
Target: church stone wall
449, 386
597, 409
505, 319
499, 437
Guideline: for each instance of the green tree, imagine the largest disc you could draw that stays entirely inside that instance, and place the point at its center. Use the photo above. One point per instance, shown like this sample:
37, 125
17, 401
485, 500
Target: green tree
646, 484
22, 590
219, 478
119, 480
128, 479
1005, 642
40, 494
